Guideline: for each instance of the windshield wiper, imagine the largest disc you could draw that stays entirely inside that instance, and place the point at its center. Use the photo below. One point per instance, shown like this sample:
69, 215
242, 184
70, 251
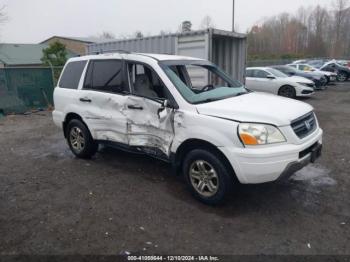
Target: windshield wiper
208, 100
241, 93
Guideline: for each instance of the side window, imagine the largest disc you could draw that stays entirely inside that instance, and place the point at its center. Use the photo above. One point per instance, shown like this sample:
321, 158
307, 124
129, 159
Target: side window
304, 68
295, 66
72, 74
260, 74
145, 82
106, 75
249, 73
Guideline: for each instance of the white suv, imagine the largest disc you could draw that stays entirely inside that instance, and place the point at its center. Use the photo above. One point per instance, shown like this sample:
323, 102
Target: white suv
187, 112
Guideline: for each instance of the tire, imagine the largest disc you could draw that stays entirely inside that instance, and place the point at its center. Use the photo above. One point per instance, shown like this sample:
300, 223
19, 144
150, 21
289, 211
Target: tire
287, 91
80, 140
328, 80
342, 76
206, 170
324, 83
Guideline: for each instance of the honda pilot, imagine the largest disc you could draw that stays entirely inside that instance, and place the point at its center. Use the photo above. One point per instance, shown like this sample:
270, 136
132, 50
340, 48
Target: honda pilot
187, 112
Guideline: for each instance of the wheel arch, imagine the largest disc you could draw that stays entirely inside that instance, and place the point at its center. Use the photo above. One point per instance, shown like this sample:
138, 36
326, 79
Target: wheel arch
191, 144
68, 118
286, 85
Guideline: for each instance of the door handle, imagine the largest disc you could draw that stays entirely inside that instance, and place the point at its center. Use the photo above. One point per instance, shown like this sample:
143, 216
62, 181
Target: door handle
135, 107
85, 100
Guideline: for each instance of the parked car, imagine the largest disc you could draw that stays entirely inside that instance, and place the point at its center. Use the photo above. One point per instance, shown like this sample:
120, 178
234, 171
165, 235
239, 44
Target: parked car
300, 61
318, 63
330, 76
269, 80
319, 79
342, 71
344, 63
187, 112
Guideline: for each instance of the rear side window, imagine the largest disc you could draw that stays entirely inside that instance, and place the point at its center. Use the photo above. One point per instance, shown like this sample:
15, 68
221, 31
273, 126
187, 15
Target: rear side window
260, 74
249, 73
72, 74
106, 75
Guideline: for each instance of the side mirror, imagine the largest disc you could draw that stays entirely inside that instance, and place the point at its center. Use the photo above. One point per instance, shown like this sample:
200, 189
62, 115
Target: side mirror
165, 103
270, 77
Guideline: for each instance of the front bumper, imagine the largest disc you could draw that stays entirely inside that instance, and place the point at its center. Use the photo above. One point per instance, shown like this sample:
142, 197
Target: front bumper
305, 93
333, 78
267, 164
313, 153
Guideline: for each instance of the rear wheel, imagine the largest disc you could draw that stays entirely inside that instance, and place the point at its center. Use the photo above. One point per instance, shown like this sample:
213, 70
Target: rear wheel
287, 91
80, 140
342, 76
208, 178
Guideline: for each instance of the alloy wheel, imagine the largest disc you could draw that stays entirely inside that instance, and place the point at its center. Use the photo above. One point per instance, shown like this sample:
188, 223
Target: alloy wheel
287, 92
77, 140
204, 178
342, 77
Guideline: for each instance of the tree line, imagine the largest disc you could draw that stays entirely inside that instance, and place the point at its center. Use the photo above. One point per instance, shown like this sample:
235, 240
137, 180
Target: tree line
311, 32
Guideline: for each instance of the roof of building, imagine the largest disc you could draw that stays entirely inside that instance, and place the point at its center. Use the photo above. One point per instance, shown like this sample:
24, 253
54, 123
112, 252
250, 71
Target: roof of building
213, 31
86, 40
24, 54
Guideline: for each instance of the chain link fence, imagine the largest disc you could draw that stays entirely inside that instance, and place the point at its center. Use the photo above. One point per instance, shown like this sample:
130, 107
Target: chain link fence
25, 89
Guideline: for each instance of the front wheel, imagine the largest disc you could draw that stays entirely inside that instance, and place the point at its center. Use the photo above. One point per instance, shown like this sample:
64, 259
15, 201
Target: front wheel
328, 80
80, 140
287, 91
342, 76
208, 178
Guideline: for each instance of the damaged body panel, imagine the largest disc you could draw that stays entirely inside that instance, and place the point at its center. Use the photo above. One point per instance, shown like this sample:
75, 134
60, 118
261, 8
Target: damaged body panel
149, 125
105, 116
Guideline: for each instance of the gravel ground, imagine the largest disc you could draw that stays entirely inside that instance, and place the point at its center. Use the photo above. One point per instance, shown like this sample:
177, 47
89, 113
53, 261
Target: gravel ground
53, 203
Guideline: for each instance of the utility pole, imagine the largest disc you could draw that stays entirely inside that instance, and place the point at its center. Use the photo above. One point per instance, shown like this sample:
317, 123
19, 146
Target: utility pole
233, 15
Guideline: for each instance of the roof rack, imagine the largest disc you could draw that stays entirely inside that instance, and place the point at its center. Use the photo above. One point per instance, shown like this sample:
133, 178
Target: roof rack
111, 51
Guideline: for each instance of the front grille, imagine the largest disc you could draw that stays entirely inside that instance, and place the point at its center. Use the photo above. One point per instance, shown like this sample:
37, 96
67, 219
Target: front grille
304, 125
311, 85
306, 92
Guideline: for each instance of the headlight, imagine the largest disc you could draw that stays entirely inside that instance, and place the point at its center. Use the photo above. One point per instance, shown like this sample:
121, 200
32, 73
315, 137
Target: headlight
259, 134
303, 84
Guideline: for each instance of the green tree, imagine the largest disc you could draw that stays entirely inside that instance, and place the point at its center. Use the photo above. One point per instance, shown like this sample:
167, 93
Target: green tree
55, 55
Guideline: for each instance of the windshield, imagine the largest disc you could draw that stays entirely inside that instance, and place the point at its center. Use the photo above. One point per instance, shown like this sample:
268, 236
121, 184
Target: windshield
317, 64
288, 70
201, 82
276, 73
310, 68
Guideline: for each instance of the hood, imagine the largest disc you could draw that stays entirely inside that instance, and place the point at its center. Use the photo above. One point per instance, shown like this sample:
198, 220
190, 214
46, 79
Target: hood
317, 74
257, 107
299, 79
309, 75
327, 73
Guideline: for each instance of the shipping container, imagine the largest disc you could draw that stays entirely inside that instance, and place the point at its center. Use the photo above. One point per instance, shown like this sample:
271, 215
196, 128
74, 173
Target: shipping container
226, 49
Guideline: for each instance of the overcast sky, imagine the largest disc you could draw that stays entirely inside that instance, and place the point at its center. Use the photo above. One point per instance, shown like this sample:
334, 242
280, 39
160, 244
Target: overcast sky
35, 20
